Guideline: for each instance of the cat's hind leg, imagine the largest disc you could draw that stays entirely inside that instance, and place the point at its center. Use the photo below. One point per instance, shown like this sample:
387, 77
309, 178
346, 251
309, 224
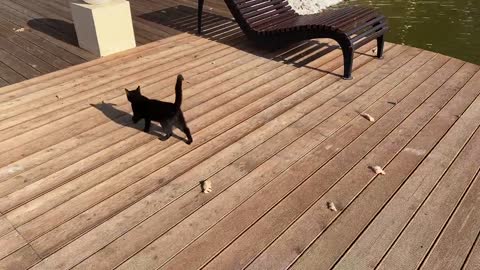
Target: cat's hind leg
167, 129
148, 121
182, 125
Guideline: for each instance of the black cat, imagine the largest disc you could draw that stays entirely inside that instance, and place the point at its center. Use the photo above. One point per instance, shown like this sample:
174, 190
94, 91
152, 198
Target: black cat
168, 114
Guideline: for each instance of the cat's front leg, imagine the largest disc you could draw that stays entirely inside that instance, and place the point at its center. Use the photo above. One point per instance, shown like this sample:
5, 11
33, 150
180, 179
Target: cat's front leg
147, 125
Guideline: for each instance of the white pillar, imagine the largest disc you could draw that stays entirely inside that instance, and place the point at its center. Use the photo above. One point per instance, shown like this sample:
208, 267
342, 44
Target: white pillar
103, 29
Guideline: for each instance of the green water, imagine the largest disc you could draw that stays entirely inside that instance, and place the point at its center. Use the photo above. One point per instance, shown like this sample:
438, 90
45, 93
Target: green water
450, 27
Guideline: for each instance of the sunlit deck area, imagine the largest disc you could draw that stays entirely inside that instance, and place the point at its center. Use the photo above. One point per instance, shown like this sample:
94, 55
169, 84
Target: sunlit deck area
278, 133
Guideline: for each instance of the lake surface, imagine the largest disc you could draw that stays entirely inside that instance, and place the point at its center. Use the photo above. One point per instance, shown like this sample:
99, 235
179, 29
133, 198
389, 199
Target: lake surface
450, 27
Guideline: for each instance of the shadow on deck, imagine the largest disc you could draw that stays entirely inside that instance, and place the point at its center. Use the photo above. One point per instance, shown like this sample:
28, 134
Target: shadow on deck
220, 29
58, 29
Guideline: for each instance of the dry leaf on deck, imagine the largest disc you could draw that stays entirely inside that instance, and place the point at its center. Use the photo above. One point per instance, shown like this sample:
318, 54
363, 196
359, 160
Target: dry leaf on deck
331, 207
368, 117
378, 170
206, 186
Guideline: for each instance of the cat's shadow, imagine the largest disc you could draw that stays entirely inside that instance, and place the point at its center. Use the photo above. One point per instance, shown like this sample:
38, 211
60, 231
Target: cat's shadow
125, 119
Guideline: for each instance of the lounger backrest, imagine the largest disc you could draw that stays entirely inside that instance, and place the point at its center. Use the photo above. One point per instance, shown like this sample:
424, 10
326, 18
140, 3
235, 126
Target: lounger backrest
252, 13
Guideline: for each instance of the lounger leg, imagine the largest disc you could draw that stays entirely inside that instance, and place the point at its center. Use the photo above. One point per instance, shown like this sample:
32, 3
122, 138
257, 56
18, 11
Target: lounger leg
199, 16
380, 42
347, 50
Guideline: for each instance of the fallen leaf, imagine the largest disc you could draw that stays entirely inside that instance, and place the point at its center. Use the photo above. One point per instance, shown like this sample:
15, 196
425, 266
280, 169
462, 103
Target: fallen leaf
368, 117
331, 207
378, 170
206, 186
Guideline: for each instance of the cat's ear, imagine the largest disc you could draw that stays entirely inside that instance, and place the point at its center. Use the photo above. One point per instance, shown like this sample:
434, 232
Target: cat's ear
126, 91
138, 88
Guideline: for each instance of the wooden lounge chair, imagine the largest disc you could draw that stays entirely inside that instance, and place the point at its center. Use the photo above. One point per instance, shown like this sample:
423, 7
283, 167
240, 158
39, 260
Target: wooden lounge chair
274, 22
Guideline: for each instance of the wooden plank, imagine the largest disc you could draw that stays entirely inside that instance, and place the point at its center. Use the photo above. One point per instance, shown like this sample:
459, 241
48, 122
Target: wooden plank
3, 82
198, 258
18, 167
108, 90
144, 76
33, 48
18, 66
95, 114
47, 125
10, 242
26, 15
9, 75
368, 249
48, 80
439, 206
278, 215
84, 79
22, 17
58, 8
139, 10
473, 260
144, 187
45, 11
10, 200
206, 74
23, 11
26, 57
21, 259
30, 36
453, 245
74, 73
83, 83
5, 226
226, 177
375, 194
23, 166
124, 120
150, 149
31, 184
91, 97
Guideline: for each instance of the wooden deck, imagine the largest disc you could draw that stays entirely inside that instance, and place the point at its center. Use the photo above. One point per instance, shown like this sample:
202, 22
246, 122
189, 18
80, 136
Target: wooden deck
38, 37
279, 135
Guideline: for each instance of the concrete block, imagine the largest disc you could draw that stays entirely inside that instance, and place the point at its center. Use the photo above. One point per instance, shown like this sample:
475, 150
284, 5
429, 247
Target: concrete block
103, 29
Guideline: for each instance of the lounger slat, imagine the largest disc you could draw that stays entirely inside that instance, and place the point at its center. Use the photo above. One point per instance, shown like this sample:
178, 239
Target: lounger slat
252, 17
262, 6
278, 19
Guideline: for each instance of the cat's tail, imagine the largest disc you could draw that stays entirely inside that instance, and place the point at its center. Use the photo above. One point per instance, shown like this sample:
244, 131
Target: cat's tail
178, 91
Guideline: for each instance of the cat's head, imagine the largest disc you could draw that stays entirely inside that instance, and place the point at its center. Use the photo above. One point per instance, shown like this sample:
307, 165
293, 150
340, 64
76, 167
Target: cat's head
133, 94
